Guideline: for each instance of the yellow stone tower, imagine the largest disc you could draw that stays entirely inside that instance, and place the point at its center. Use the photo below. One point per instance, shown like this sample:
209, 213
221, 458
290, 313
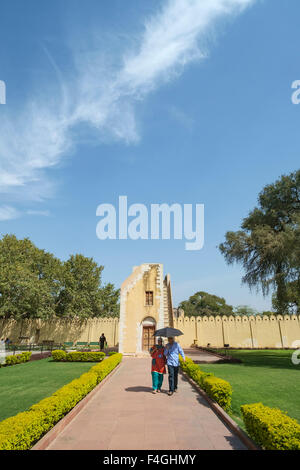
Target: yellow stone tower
146, 305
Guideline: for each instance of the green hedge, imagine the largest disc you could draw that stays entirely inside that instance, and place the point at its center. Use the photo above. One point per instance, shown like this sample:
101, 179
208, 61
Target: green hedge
20, 432
18, 358
218, 389
271, 428
59, 355
77, 356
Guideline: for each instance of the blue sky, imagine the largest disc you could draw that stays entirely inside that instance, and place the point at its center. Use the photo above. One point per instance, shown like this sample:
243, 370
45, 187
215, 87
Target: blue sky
185, 101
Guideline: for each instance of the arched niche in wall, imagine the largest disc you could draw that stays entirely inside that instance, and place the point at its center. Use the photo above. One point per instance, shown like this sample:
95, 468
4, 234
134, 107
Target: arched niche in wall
148, 321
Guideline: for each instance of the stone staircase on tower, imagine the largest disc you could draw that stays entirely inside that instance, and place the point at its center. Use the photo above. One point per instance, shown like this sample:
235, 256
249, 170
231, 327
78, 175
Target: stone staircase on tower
168, 304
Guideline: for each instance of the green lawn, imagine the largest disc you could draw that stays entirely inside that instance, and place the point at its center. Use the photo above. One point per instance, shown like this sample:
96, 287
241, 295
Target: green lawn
264, 376
22, 385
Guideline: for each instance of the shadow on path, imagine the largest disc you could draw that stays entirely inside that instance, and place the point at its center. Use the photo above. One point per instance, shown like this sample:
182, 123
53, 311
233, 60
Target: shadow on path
138, 388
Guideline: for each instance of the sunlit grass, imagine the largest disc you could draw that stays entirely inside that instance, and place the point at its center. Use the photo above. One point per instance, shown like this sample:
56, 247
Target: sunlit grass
23, 385
267, 376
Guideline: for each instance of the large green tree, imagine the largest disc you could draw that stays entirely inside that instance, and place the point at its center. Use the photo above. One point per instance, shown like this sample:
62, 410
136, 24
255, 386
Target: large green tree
29, 279
292, 296
79, 294
82, 294
109, 301
202, 303
35, 284
268, 244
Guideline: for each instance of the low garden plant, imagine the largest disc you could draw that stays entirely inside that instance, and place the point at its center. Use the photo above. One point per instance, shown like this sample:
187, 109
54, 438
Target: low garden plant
17, 358
77, 356
271, 428
257, 376
20, 432
218, 389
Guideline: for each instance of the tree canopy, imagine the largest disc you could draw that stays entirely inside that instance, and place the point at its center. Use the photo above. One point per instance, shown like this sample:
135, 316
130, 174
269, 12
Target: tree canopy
36, 284
202, 303
292, 298
245, 310
268, 244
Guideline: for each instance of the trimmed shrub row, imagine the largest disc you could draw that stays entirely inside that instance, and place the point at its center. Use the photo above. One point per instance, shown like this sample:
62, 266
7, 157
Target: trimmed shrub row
20, 432
218, 389
77, 356
18, 358
271, 428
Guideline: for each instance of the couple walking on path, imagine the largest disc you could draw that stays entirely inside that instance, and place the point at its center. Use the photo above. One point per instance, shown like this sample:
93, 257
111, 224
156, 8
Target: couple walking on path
162, 356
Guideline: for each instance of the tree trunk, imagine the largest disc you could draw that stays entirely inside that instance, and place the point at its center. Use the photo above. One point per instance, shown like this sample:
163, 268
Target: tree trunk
281, 293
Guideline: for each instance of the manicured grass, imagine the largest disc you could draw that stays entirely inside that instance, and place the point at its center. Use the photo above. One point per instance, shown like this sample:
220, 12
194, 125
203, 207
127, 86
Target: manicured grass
22, 385
267, 376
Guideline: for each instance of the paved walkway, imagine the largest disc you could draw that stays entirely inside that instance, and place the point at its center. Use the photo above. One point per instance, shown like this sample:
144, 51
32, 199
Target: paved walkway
124, 414
202, 357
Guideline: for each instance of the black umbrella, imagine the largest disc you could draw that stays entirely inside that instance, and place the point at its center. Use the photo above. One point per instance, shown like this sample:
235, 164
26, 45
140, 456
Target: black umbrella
168, 332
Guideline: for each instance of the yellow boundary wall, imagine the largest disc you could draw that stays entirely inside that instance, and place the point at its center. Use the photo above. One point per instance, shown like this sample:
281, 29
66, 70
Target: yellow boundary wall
60, 330
239, 332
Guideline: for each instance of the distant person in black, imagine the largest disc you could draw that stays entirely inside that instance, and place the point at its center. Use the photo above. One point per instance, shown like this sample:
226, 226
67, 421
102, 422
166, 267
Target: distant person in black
102, 341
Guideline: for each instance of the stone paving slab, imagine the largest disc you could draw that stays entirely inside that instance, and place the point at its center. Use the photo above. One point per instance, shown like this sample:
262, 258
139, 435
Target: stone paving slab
203, 357
125, 415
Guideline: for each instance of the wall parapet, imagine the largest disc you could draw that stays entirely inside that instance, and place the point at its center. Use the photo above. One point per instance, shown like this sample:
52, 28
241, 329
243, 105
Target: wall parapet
59, 330
240, 331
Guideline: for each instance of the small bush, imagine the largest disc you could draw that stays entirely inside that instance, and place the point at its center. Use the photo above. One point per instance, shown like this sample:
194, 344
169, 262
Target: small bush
18, 358
59, 355
271, 428
112, 352
78, 356
20, 432
106, 366
218, 389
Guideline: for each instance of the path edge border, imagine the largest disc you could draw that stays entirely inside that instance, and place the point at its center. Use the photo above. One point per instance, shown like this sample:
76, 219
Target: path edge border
233, 426
227, 359
54, 432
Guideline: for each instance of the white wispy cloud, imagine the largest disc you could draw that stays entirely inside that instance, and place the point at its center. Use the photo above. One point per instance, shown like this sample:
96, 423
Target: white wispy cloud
8, 213
45, 213
104, 97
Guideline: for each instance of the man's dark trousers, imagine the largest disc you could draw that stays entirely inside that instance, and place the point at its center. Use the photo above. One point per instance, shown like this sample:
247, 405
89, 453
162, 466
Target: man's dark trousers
173, 377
